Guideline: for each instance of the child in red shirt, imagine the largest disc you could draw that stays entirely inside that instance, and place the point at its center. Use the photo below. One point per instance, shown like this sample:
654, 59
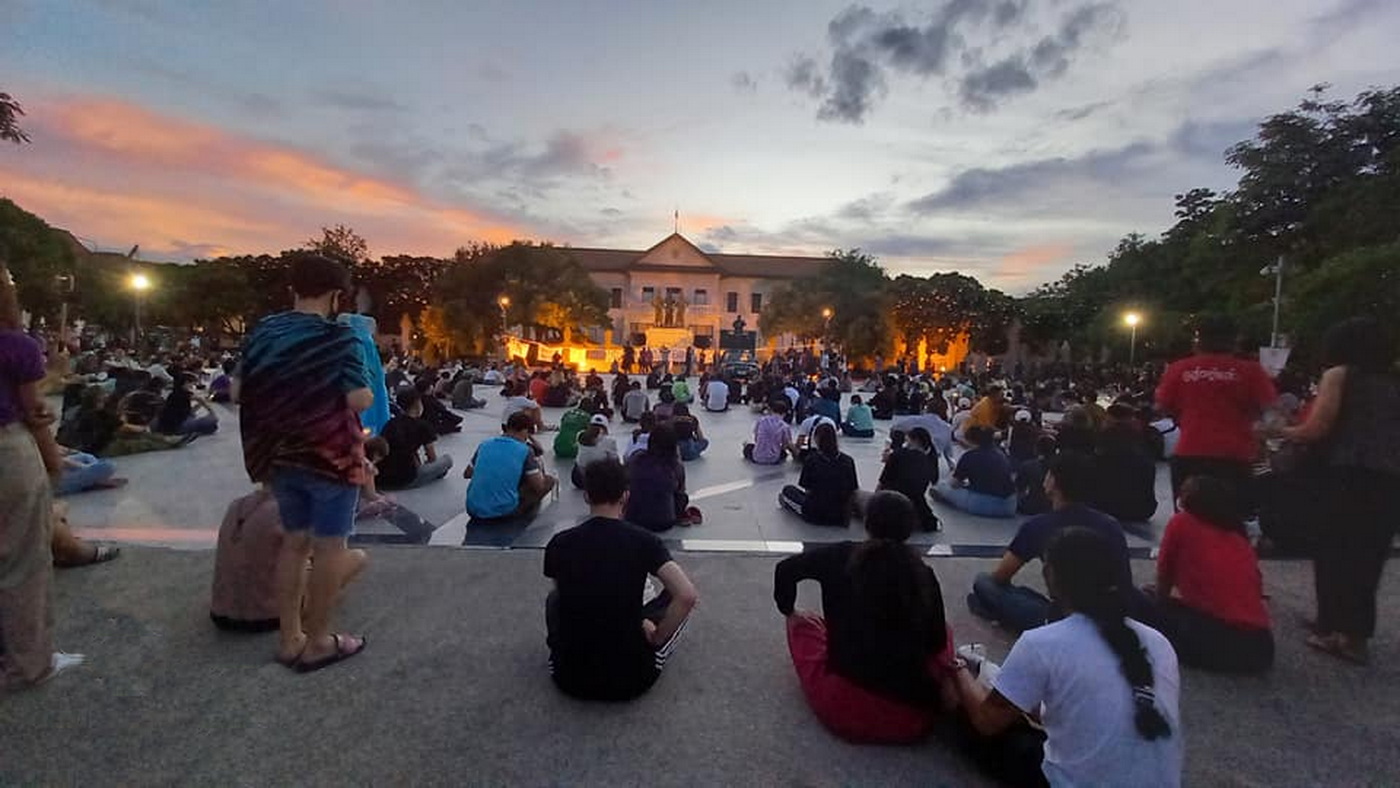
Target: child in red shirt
1210, 593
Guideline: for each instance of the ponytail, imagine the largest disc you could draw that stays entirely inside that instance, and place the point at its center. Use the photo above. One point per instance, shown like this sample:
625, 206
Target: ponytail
1132, 661
1083, 572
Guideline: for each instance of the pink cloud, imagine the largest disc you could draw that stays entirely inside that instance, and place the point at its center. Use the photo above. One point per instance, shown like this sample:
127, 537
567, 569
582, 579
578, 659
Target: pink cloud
120, 173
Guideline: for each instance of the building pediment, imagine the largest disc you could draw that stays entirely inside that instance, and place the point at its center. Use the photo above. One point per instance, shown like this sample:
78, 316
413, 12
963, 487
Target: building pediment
676, 252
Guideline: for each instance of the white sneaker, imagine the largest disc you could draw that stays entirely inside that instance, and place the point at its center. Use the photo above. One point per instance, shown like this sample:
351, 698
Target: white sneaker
974, 654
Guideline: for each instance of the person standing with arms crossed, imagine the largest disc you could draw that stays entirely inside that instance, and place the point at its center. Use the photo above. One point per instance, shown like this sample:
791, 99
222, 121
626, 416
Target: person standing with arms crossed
302, 385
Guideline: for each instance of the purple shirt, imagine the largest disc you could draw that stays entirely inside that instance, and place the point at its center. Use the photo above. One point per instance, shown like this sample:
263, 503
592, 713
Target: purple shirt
21, 362
770, 436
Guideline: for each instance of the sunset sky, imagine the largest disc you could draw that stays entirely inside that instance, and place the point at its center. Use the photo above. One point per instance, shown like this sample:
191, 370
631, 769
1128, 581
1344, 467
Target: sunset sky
1008, 139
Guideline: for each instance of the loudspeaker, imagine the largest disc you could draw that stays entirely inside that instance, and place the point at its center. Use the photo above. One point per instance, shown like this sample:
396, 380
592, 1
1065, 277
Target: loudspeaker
703, 342
639, 339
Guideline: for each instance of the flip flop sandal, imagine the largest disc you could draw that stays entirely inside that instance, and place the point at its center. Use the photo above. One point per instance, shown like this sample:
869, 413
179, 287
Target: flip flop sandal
339, 655
1332, 646
101, 554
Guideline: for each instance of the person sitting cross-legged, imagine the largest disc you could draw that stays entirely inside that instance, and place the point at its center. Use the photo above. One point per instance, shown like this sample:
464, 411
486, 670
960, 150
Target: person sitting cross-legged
874, 665
772, 437
981, 483
413, 460
1105, 687
507, 483
1209, 592
860, 422
656, 478
691, 440
824, 491
1069, 481
606, 642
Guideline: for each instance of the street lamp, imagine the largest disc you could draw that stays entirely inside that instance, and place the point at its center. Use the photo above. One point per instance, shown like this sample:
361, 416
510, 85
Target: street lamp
140, 283
504, 303
827, 312
1132, 319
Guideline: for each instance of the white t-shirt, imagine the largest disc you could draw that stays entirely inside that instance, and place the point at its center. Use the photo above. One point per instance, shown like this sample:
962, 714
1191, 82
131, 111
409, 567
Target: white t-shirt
604, 448
717, 395
515, 405
792, 395
809, 425
1088, 706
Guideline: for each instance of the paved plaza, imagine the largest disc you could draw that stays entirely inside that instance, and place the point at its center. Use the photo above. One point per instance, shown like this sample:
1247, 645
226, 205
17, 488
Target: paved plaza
177, 498
453, 688
453, 691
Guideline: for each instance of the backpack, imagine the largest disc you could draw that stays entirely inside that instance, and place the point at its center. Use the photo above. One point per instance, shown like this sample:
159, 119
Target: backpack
244, 595
571, 424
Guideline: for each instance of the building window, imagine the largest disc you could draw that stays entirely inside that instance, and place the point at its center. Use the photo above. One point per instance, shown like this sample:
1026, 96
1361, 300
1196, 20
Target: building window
648, 294
755, 302
702, 297
673, 293
731, 302
616, 302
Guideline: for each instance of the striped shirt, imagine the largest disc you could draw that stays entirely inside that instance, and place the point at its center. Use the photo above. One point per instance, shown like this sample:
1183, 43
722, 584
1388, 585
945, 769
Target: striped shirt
296, 370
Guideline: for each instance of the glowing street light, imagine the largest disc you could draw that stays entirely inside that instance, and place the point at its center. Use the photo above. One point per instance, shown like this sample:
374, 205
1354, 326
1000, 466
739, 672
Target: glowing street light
504, 303
140, 283
1132, 319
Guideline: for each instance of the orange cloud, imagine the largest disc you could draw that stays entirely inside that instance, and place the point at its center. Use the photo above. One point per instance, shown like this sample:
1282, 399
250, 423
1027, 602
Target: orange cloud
120, 173
1031, 261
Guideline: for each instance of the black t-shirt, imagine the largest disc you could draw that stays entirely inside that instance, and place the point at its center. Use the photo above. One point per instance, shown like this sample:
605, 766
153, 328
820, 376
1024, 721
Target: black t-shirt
829, 482
177, 409
986, 470
685, 427
405, 436
911, 471
864, 646
600, 568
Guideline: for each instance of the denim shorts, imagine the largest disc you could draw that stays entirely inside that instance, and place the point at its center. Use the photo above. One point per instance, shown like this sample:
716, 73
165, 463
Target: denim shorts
311, 501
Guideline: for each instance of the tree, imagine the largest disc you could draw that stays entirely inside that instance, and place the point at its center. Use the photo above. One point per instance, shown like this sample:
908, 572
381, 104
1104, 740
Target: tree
852, 285
10, 112
942, 308
341, 242
37, 256
546, 286
1360, 283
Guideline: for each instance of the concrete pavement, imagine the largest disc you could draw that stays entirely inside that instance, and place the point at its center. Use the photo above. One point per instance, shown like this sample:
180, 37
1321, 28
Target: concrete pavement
453, 690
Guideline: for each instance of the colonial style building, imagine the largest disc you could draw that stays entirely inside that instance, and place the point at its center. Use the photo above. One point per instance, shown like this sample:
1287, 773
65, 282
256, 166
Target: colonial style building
674, 294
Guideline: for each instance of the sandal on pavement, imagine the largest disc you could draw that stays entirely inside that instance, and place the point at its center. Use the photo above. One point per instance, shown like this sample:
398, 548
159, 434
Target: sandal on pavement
1337, 645
339, 655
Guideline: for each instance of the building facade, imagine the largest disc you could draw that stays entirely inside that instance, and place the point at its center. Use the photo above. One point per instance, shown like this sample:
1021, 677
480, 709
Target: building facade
676, 295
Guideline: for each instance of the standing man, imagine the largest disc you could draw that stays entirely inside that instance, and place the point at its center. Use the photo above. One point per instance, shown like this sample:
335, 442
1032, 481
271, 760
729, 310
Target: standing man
1215, 398
302, 385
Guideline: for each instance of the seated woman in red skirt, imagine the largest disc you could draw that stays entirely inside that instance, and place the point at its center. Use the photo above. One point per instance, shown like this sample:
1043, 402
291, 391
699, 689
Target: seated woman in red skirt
874, 668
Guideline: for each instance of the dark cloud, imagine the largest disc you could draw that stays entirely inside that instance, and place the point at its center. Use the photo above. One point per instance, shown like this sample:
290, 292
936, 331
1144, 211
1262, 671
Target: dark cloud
982, 88
1084, 111
804, 76
356, 102
743, 82
613, 212
987, 187
957, 42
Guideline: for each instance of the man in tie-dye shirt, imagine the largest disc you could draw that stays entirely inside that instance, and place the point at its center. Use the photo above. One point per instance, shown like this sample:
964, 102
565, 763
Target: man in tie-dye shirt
302, 384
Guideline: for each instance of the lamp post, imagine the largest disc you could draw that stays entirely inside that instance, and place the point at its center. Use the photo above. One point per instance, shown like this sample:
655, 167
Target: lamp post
140, 283
504, 303
1132, 319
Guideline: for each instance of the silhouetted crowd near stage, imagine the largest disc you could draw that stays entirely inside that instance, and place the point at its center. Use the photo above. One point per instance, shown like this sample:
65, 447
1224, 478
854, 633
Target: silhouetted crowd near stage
1089, 693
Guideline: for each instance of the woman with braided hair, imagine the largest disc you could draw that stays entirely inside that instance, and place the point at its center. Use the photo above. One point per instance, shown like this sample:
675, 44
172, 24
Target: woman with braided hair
1104, 687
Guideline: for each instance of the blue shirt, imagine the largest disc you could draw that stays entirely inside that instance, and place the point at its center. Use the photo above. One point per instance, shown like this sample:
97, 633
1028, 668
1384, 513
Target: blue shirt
986, 470
828, 408
498, 467
1035, 534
